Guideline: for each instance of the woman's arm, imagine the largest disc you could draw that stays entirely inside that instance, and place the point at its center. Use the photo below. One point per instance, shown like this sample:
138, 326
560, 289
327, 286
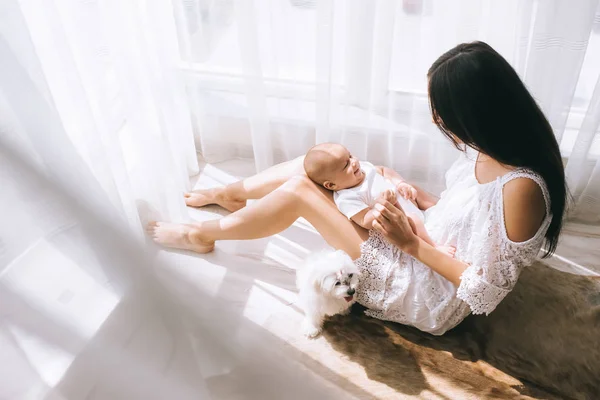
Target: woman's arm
393, 224
424, 199
524, 210
448, 267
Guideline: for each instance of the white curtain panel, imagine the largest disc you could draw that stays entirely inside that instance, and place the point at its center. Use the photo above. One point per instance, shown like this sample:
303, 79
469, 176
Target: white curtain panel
95, 135
82, 315
93, 96
267, 79
97, 131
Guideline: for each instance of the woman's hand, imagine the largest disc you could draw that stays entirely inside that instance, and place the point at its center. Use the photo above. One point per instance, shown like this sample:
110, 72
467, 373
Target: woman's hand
395, 226
397, 229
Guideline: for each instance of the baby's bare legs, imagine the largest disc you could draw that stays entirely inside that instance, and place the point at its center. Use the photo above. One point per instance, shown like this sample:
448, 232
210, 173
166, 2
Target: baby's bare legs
233, 197
419, 228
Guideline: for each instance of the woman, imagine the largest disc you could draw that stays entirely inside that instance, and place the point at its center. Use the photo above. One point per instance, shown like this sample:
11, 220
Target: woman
505, 197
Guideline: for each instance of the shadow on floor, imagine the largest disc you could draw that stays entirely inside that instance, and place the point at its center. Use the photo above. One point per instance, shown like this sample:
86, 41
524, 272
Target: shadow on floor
545, 333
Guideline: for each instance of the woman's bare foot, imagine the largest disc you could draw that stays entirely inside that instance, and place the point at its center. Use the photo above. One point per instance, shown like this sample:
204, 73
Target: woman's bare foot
450, 250
204, 197
177, 236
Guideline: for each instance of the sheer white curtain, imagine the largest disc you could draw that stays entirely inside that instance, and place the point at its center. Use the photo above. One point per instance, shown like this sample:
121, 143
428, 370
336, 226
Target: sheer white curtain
97, 101
268, 79
97, 133
94, 131
95, 137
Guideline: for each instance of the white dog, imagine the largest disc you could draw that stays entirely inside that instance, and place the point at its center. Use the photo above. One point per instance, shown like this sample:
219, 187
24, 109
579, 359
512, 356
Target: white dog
326, 283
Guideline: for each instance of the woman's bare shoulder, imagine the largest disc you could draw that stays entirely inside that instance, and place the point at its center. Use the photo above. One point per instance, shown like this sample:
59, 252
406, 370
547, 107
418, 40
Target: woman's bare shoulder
524, 208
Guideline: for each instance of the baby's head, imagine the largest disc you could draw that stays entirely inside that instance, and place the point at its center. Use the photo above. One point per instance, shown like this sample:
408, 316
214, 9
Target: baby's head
332, 166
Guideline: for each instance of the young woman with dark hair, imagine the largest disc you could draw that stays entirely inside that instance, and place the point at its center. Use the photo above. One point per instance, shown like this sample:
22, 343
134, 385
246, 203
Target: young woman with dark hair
505, 197
486, 107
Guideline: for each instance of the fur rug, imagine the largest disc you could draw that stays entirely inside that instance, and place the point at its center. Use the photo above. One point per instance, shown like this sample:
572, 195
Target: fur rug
546, 334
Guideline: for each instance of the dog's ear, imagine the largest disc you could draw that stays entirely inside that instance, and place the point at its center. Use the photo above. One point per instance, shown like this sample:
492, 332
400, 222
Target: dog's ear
320, 282
317, 283
325, 283
352, 268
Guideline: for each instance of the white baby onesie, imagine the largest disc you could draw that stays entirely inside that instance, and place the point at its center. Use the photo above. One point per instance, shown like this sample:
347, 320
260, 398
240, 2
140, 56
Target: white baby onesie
353, 200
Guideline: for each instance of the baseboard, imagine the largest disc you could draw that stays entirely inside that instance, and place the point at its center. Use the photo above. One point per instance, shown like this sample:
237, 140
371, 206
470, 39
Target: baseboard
564, 264
578, 229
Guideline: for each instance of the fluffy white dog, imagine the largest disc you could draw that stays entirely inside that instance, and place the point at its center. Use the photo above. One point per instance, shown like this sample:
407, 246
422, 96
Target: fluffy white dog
326, 283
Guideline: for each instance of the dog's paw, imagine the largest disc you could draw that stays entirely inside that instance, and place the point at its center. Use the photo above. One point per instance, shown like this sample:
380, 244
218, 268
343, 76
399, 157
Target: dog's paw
310, 330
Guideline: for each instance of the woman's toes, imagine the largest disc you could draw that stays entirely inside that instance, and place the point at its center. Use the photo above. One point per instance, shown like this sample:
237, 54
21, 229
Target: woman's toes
176, 236
198, 199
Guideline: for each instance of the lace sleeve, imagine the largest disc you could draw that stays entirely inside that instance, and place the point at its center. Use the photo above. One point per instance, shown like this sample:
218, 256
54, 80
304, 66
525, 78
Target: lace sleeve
495, 261
484, 288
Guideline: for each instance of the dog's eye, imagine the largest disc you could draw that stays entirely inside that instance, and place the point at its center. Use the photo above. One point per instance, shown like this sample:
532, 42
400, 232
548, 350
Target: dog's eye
350, 275
338, 283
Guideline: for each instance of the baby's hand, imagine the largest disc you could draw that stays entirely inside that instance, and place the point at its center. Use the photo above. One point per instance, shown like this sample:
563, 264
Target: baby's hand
407, 191
389, 195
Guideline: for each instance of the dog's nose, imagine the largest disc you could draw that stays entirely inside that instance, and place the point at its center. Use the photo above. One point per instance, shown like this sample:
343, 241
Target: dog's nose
351, 292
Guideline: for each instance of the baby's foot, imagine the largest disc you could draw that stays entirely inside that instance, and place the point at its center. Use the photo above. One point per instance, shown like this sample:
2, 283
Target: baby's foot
450, 250
204, 197
177, 236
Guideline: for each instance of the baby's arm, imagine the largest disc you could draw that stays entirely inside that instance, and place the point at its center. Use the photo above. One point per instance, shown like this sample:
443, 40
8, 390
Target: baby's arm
404, 188
364, 218
390, 175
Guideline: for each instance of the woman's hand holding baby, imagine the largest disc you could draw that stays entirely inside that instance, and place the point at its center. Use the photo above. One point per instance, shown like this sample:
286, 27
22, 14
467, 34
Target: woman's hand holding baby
395, 226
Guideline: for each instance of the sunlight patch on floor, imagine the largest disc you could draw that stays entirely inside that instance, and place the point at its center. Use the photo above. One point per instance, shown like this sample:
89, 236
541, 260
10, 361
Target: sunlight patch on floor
55, 292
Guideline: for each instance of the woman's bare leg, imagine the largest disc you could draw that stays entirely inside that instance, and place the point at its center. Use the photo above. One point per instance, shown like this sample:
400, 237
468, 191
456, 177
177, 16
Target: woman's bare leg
298, 197
233, 197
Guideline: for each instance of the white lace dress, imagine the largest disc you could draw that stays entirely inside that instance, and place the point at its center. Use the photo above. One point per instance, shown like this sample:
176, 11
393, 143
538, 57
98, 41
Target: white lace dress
469, 216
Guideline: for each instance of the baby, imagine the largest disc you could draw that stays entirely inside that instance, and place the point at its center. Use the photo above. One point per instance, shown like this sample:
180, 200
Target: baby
357, 185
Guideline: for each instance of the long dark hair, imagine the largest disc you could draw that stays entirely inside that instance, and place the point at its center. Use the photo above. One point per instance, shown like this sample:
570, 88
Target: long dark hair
478, 99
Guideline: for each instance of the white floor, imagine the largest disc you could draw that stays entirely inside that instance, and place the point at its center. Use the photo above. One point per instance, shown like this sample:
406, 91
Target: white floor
69, 335
577, 254
219, 316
